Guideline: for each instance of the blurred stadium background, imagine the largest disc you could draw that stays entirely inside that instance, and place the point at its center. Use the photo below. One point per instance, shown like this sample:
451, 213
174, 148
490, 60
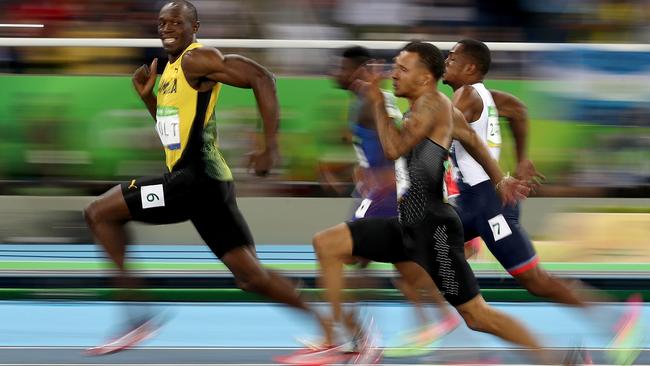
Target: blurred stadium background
72, 126
69, 115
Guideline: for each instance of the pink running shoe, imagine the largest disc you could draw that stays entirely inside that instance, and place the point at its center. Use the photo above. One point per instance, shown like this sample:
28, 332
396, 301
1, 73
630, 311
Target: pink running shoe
130, 339
431, 333
367, 346
627, 343
315, 357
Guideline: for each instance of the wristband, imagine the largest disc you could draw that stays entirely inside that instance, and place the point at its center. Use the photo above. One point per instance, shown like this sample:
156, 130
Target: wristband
498, 186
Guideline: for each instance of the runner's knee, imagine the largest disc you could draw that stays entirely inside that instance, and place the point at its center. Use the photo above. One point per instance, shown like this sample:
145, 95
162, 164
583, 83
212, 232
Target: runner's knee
92, 214
477, 315
472, 320
108, 208
329, 243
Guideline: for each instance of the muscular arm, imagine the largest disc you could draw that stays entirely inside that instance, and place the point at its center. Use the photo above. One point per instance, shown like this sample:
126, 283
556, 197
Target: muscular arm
513, 110
517, 115
206, 66
398, 141
475, 147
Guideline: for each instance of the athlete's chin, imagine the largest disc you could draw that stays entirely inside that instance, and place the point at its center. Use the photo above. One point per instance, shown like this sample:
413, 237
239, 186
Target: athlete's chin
172, 49
169, 49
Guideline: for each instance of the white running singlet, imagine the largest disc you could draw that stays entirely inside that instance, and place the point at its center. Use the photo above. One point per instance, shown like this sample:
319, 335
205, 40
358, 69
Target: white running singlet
468, 170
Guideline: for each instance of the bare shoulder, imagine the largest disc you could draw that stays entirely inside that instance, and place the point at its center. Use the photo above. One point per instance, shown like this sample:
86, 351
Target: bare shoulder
428, 101
201, 52
466, 93
502, 97
432, 103
204, 59
498, 93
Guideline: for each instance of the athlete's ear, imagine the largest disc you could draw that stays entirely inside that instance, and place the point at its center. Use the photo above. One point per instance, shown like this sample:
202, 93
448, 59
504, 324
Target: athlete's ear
427, 78
470, 69
195, 27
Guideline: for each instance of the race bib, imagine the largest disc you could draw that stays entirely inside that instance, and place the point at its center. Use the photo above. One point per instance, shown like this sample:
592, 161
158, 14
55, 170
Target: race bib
499, 227
152, 196
493, 129
168, 127
401, 177
363, 207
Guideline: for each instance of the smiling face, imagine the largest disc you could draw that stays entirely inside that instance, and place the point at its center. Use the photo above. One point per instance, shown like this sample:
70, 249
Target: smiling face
176, 28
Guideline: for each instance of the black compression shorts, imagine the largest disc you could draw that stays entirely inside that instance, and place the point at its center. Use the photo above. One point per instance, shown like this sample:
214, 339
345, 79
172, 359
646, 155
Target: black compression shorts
189, 194
378, 239
435, 243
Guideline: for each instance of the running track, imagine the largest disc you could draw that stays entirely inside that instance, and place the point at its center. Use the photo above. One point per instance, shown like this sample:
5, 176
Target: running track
55, 333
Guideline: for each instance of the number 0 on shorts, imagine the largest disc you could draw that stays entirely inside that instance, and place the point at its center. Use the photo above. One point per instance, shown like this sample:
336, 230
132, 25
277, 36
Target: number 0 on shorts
152, 196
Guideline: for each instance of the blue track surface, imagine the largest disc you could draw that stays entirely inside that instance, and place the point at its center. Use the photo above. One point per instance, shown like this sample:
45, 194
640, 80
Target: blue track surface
68, 324
157, 253
254, 330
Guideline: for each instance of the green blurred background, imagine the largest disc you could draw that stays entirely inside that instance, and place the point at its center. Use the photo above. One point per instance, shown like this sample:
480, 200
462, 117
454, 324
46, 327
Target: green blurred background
95, 128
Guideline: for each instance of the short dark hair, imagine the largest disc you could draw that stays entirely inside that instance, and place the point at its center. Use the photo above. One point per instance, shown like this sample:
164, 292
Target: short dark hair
359, 54
479, 52
430, 56
189, 8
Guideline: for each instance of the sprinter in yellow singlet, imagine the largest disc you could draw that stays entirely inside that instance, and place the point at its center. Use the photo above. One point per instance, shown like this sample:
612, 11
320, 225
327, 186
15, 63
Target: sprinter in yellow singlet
198, 185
